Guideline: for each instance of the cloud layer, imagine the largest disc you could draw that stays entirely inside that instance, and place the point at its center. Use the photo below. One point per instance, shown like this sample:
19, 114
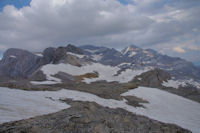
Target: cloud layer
172, 25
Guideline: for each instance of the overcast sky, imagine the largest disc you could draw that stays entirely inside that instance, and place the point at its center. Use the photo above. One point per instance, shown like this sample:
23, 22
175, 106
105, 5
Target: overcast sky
171, 27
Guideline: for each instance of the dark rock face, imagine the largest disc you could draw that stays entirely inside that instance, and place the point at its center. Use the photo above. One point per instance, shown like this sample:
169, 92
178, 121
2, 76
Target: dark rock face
73, 49
48, 55
85, 117
58, 55
176, 66
109, 56
37, 76
55, 56
18, 63
112, 57
152, 78
140, 58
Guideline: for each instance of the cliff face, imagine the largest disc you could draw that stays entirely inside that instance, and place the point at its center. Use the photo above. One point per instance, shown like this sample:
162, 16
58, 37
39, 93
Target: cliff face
17, 63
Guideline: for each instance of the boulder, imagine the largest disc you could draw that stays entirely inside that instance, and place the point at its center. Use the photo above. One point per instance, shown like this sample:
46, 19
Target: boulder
152, 78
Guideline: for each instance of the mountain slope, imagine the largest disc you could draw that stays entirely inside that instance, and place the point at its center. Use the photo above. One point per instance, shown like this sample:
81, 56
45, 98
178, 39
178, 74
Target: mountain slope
115, 80
17, 63
118, 66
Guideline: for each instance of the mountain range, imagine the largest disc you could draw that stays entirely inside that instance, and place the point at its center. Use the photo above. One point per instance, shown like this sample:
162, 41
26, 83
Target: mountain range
22, 64
98, 89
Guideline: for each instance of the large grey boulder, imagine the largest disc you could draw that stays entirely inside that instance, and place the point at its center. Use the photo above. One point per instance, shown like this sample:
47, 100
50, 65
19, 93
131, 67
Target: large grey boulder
152, 78
48, 55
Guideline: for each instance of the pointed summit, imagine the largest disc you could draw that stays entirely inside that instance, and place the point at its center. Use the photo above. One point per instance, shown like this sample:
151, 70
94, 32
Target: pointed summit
130, 51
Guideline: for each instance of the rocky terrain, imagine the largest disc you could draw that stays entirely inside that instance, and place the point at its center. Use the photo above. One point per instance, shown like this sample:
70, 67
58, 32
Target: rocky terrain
85, 117
103, 72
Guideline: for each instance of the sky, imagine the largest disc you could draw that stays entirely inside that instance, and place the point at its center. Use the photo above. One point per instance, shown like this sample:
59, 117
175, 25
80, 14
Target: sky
171, 27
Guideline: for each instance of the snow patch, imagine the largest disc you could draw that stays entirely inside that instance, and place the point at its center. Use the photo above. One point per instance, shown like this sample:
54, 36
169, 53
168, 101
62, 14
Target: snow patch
131, 51
146, 62
45, 82
184, 83
172, 83
132, 54
39, 54
19, 104
91, 51
97, 57
12, 56
77, 55
122, 64
166, 107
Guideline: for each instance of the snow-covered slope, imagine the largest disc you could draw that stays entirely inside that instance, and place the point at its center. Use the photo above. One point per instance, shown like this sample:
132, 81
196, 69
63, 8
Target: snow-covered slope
77, 55
177, 83
18, 104
105, 72
162, 106
18, 63
168, 108
130, 51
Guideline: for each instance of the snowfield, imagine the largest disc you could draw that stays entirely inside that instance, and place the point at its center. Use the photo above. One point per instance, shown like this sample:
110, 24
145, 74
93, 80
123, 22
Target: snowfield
18, 104
169, 108
105, 72
162, 106
97, 57
77, 55
177, 83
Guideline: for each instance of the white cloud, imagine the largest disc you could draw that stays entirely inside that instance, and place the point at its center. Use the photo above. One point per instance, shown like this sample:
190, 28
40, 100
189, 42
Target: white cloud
179, 49
100, 22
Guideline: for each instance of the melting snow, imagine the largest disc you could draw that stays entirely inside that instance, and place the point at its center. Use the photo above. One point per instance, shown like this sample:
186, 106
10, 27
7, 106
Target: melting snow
91, 51
46, 82
122, 64
77, 55
12, 56
172, 83
177, 83
168, 108
163, 106
97, 57
132, 54
19, 104
105, 72
39, 54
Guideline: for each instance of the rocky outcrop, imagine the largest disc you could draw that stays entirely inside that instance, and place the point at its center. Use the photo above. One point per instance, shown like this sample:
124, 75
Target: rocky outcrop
152, 78
74, 49
59, 55
107, 56
37, 76
48, 55
86, 117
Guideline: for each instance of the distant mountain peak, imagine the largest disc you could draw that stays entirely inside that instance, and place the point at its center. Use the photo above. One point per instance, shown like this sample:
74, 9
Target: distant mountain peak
130, 50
